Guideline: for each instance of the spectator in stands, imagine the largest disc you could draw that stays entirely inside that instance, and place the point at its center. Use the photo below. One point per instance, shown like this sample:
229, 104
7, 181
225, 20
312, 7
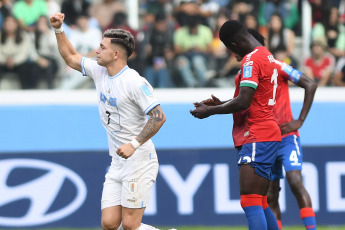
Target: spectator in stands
15, 52
185, 8
209, 10
241, 8
320, 64
339, 78
160, 53
225, 63
5, 10
279, 37
53, 7
85, 40
105, 10
333, 32
73, 9
286, 9
47, 53
28, 12
319, 9
192, 44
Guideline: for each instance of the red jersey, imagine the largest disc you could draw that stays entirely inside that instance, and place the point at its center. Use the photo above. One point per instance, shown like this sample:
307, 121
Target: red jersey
282, 109
257, 123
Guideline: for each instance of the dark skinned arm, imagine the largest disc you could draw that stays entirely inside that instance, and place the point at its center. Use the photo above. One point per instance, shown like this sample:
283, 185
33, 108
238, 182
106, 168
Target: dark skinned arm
239, 103
309, 87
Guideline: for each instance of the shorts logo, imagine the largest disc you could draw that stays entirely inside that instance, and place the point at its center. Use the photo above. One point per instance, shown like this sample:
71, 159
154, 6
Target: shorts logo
146, 90
247, 71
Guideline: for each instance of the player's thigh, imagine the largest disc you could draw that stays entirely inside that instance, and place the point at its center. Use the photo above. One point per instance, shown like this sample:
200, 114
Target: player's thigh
294, 179
112, 187
131, 217
111, 217
250, 182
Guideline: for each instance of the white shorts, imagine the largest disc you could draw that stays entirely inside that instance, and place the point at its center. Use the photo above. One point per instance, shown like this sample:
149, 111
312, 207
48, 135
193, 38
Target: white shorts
129, 183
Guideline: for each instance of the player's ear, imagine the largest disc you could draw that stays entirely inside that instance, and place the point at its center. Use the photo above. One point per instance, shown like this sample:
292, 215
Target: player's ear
234, 47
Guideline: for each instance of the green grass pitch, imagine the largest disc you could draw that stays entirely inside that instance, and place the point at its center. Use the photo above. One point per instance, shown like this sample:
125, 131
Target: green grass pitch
211, 228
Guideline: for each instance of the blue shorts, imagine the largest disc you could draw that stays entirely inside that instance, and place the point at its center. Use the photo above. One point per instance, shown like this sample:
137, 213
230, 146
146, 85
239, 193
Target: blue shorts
290, 156
260, 155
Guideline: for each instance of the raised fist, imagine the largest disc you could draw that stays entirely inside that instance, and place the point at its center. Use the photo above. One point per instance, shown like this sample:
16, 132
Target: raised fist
56, 20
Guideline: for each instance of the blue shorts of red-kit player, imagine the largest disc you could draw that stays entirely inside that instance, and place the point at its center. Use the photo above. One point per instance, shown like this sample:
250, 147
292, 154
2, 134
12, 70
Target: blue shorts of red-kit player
290, 156
259, 155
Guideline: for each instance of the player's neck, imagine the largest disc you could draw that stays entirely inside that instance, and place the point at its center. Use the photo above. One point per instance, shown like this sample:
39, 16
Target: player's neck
116, 67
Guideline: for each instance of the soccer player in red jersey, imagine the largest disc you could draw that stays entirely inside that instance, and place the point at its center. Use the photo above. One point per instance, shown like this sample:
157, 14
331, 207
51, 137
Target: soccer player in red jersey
255, 133
290, 151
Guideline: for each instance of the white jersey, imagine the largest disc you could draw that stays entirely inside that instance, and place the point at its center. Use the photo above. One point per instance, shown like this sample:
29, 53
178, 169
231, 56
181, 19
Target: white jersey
124, 102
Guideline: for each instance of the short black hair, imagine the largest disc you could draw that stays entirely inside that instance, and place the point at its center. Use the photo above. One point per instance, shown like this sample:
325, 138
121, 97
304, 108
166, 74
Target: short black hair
123, 38
230, 32
257, 36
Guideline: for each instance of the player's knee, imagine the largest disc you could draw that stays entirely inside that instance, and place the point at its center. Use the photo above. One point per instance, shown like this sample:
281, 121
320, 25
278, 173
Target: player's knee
130, 225
109, 223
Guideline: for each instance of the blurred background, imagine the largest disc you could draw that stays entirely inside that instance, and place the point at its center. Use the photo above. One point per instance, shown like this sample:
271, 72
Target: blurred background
53, 148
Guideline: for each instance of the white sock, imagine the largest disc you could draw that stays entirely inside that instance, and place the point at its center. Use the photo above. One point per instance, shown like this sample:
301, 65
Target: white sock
146, 227
120, 227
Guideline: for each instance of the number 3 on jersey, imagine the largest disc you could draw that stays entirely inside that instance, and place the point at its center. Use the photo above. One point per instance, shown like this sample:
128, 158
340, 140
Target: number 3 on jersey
274, 81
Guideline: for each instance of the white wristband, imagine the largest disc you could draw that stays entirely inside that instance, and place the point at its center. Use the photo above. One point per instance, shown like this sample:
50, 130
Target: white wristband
59, 30
135, 143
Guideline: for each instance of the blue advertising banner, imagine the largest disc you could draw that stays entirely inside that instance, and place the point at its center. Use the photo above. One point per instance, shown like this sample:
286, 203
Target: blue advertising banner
194, 187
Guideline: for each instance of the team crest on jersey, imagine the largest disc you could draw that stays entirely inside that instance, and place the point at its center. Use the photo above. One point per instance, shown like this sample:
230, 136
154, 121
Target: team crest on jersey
247, 71
146, 90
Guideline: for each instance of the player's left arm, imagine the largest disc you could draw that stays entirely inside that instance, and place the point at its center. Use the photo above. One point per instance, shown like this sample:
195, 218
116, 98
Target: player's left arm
155, 122
309, 86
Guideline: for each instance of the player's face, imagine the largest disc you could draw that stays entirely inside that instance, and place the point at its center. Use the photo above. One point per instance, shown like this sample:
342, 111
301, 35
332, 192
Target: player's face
105, 52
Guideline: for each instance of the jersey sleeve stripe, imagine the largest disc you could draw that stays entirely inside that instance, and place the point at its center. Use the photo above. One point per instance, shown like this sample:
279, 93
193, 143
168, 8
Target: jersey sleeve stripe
247, 83
82, 66
148, 109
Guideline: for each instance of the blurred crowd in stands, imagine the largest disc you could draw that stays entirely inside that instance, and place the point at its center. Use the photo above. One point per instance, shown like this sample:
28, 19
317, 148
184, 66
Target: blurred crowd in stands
177, 42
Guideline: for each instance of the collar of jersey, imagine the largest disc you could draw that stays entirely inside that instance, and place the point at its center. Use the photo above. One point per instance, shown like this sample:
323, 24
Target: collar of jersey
119, 73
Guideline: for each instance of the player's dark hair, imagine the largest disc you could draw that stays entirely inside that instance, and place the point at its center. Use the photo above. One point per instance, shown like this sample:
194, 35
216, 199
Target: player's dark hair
122, 38
231, 32
257, 36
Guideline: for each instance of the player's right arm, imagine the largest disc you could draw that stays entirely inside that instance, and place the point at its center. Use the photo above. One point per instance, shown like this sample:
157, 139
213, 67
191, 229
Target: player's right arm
67, 51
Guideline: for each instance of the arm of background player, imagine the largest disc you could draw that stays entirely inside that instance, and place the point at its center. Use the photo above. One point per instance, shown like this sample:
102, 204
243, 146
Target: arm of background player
309, 86
155, 122
67, 51
239, 103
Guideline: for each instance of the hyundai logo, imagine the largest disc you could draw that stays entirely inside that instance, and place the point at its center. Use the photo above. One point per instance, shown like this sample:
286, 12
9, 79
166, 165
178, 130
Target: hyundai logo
42, 192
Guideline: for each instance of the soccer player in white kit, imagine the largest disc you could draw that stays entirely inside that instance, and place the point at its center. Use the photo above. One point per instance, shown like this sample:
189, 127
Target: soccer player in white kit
125, 100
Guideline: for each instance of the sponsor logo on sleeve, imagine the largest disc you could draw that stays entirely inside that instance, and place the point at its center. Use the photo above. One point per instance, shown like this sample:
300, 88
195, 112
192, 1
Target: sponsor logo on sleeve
247, 71
146, 90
